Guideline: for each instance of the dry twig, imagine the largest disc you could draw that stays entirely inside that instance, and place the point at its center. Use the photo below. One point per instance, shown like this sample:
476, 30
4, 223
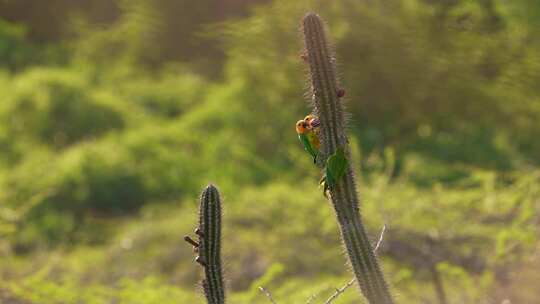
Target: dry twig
267, 294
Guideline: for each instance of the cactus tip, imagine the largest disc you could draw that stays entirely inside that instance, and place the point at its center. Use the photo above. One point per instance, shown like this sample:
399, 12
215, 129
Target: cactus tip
211, 187
311, 15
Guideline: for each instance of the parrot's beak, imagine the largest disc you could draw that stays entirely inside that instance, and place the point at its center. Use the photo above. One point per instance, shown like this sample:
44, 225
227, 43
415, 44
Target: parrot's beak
315, 123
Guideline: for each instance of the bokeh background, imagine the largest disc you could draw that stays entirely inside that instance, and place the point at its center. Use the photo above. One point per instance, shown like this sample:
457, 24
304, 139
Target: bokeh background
115, 114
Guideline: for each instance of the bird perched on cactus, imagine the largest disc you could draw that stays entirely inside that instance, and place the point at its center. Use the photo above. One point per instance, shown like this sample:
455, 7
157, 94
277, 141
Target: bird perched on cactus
336, 165
307, 130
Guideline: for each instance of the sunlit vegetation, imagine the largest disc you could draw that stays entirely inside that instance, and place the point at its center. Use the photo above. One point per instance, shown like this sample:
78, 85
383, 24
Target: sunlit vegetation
116, 114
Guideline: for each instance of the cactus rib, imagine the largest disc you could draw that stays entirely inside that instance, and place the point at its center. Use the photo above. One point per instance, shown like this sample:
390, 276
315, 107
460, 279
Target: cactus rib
327, 106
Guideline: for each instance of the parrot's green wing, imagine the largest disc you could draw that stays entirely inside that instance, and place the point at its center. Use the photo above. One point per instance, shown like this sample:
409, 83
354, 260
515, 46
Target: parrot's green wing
307, 145
336, 165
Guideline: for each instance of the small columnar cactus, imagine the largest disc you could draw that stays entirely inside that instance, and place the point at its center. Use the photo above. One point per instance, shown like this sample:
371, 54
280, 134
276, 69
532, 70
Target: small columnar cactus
328, 107
208, 246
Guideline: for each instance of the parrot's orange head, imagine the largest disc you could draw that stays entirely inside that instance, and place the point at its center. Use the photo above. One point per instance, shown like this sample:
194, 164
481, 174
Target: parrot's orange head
301, 126
312, 121
309, 118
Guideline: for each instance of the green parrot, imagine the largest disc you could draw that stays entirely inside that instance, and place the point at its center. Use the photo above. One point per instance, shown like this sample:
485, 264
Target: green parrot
336, 165
307, 133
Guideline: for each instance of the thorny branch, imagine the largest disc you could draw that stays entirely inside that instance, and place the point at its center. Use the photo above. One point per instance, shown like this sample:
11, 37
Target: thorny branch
338, 290
351, 282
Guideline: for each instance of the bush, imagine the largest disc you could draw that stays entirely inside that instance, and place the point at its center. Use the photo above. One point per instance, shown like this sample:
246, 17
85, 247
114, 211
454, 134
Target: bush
171, 94
56, 108
14, 50
60, 194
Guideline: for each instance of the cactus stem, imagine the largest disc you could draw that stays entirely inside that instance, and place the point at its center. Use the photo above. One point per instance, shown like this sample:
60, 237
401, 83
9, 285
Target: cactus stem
208, 246
325, 98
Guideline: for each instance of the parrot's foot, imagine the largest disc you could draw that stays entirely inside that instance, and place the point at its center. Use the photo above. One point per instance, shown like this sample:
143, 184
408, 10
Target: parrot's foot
324, 185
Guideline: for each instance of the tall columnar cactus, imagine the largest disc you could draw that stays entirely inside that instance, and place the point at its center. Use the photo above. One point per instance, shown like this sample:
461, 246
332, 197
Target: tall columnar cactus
326, 95
209, 245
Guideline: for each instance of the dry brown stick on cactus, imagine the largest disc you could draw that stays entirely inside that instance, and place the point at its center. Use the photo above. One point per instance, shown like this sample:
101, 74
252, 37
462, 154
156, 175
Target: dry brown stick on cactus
340, 183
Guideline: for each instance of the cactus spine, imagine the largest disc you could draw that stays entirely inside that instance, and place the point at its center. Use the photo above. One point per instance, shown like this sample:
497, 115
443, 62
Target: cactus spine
209, 245
327, 106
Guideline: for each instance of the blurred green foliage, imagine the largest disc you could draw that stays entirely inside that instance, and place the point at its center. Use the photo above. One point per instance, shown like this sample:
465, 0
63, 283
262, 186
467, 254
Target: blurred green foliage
115, 114
56, 109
